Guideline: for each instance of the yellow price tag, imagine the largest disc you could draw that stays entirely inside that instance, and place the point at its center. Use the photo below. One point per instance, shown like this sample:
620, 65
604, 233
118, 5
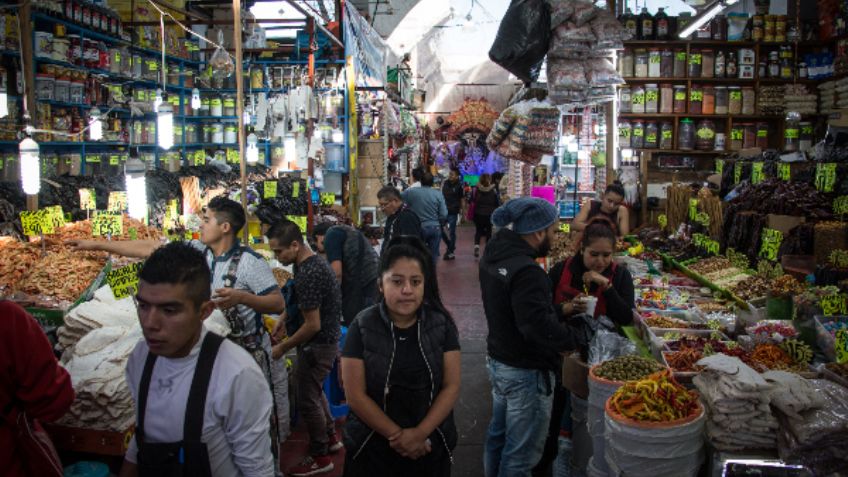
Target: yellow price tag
117, 201
300, 220
35, 223
270, 189
566, 228
825, 177
124, 281
232, 156
114, 160
771, 241
662, 220
87, 199
757, 174
296, 188
841, 346
328, 199
784, 171
840, 205
107, 223
719, 166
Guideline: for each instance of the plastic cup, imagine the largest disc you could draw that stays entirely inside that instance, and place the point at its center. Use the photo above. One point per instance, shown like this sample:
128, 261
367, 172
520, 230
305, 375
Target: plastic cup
591, 302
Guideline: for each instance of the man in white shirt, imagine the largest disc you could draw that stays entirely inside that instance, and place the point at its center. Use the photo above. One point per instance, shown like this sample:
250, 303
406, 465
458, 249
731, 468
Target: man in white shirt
203, 404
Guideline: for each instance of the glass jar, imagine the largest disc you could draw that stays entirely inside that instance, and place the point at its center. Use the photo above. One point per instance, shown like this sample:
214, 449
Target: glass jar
749, 101
806, 137
686, 135
637, 140
708, 104
696, 98
666, 135
666, 98
705, 135
637, 97
792, 132
627, 63
625, 101
750, 136
737, 136
625, 132
719, 65
654, 62
695, 60
707, 63
762, 135
721, 99
679, 63
652, 98
734, 103
229, 108
679, 99
651, 135
667, 63
640, 63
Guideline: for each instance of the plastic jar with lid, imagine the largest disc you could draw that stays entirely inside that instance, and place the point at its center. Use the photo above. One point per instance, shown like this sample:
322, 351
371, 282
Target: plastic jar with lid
707, 63
708, 104
229, 106
762, 135
806, 136
191, 133
666, 63
737, 136
734, 101
695, 60
654, 62
721, 100
625, 132
679, 63
627, 63
625, 101
696, 98
792, 132
652, 133
679, 99
666, 135
705, 135
230, 133
216, 107
666, 98
652, 98
749, 100
44, 86
637, 97
640, 63
205, 105
686, 135
637, 139
749, 139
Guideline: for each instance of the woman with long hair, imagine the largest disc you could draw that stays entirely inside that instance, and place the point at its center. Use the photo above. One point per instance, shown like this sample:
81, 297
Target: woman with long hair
611, 206
401, 370
484, 201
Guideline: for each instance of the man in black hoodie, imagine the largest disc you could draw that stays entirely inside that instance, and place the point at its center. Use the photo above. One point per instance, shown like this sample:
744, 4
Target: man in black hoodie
454, 194
525, 338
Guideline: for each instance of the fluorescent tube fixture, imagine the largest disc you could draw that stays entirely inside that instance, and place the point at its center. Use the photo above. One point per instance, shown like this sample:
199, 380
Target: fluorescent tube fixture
30, 167
134, 171
165, 126
252, 149
707, 14
95, 125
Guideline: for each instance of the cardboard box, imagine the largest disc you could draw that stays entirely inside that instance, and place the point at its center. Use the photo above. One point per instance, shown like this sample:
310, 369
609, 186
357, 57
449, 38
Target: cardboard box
575, 375
368, 189
784, 223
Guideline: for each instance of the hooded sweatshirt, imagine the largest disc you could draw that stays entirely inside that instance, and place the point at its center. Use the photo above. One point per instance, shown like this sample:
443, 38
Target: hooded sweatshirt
486, 200
524, 331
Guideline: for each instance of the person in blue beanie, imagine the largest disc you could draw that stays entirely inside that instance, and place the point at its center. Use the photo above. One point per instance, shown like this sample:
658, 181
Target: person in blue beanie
525, 338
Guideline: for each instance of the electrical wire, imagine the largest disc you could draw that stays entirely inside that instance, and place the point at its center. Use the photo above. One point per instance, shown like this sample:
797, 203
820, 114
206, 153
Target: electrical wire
189, 30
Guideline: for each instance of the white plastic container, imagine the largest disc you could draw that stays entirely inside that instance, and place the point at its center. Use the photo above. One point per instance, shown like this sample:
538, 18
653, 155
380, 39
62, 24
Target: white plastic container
218, 133
43, 44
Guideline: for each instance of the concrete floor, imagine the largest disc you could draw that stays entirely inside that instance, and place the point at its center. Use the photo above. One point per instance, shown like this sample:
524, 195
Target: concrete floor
460, 289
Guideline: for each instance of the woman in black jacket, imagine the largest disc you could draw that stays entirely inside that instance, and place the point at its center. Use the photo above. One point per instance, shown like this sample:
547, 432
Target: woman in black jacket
401, 369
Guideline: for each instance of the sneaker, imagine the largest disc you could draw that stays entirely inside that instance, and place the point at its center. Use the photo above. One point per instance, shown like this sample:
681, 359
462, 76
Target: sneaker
449, 256
476, 251
334, 445
312, 465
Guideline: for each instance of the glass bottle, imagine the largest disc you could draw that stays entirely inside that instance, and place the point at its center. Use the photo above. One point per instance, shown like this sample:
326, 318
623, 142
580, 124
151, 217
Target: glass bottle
719, 65
630, 22
662, 24
646, 25
732, 68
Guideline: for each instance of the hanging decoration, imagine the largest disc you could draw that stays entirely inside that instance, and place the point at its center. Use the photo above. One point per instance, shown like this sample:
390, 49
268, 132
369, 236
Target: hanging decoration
474, 114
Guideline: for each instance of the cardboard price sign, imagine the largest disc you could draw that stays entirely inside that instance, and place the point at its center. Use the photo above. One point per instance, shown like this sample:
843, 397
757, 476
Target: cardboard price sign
296, 189
566, 228
117, 201
328, 198
707, 244
662, 220
106, 223
300, 220
719, 166
233, 156
199, 157
835, 304
757, 174
56, 216
124, 281
772, 239
87, 199
825, 177
693, 209
737, 173
703, 219
35, 223
841, 346
839, 258
840, 205
269, 189
784, 171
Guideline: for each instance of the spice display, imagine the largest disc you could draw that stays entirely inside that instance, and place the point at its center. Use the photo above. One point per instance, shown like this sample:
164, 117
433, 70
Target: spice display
667, 63
659, 398
695, 60
705, 134
679, 99
627, 368
786, 285
683, 360
734, 100
637, 99
771, 356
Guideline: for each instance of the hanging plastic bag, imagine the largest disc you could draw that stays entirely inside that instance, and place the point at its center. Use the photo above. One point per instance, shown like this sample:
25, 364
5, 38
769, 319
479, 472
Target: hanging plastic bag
523, 38
608, 344
221, 62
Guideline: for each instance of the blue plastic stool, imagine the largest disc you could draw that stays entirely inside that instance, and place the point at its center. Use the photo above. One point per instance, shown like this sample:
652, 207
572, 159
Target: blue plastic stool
334, 392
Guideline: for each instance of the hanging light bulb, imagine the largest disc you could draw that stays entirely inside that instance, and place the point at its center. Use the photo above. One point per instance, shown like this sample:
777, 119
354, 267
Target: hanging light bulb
4, 104
252, 154
165, 126
95, 125
157, 102
30, 167
195, 99
134, 171
290, 147
338, 136
246, 117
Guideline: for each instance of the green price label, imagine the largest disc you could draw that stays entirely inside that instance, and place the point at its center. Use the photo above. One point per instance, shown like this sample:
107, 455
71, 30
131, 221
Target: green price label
784, 171
662, 220
296, 189
736, 95
565, 228
719, 166
124, 281
92, 159
87, 199
695, 58
693, 208
651, 138
328, 199
666, 134
840, 205
270, 189
639, 132
841, 346
117, 201
233, 156
624, 132
791, 133
133, 233
703, 219
737, 173
114, 160
825, 177
107, 223
833, 304
37, 222
680, 96
736, 134
807, 130
770, 246
757, 174
56, 216
681, 56
696, 95
638, 98
300, 220
655, 59
652, 96
762, 133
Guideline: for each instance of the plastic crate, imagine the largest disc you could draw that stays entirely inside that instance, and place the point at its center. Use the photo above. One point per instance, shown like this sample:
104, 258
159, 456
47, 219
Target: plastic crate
824, 339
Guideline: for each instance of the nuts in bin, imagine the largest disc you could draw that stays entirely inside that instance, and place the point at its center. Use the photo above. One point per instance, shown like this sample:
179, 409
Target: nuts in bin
627, 368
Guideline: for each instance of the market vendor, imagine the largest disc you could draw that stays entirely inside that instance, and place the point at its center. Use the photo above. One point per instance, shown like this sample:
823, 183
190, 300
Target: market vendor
610, 206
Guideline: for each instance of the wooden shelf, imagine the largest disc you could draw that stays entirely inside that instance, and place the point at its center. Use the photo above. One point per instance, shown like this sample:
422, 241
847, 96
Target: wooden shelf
679, 151
700, 80
659, 43
697, 116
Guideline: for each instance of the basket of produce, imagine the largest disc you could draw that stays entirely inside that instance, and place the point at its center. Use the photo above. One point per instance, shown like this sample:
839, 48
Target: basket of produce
654, 427
826, 328
771, 331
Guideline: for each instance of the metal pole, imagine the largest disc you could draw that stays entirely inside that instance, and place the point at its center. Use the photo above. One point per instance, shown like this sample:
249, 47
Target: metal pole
310, 124
318, 24
240, 107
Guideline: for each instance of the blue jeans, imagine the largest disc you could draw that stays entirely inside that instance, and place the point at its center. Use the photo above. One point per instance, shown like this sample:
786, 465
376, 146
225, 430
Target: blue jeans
521, 412
432, 235
450, 240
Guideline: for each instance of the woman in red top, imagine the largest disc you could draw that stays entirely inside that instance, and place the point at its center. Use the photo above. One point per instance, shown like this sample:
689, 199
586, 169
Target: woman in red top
30, 380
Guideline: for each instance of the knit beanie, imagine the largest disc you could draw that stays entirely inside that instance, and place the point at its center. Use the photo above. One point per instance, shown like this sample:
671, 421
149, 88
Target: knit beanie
526, 214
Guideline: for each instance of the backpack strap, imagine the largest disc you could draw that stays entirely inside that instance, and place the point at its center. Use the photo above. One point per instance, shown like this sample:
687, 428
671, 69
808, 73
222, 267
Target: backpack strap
193, 427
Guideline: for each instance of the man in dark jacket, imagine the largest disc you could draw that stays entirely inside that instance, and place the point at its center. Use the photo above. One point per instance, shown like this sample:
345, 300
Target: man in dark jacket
401, 220
525, 337
454, 194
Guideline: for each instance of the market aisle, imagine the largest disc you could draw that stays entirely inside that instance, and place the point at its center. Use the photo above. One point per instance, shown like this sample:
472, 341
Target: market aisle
460, 289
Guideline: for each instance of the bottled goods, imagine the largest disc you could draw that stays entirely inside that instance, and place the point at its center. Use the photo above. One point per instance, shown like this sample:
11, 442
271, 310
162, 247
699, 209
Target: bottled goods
625, 101
667, 63
705, 135
721, 99
666, 135
708, 103
630, 22
720, 141
686, 135
637, 140
719, 65
652, 98
696, 98
732, 68
719, 28
792, 132
683, 20
679, 63
637, 96
707, 63
749, 100
663, 30
651, 135
666, 98
679, 99
646, 25
625, 131
802, 70
695, 60
654, 62
734, 105
773, 65
640, 67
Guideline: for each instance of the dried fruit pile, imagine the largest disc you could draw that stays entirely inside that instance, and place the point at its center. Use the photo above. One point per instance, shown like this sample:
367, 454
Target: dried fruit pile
658, 398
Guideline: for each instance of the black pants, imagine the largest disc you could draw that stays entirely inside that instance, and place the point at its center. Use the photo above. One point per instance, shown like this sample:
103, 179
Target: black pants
483, 228
379, 459
552, 442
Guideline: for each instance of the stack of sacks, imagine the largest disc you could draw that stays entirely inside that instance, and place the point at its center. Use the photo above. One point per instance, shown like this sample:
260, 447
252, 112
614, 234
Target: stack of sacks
818, 437
737, 400
525, 131
101, 311
792, 394
584, 38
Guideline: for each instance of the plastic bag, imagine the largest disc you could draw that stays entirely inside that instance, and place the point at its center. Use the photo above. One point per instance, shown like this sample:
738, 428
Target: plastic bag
221, 62
568, 50
601, 72
561, 11
607, 344
566, 74
570, 32
523, 39
607, 28
583, 13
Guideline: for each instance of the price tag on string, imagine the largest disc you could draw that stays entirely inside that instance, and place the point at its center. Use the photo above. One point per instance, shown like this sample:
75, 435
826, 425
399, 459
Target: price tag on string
757, 174
107, 223
565, 228
840, 205
840, 346
703, 219
662, 220
300, 220
56, 215
36, 223
328, 199
719, 166
269, 189
771, 241
825, 177
693, 209
87, 199
124, 281
296, 189
835, 304
784, 171
117, 201
737, 173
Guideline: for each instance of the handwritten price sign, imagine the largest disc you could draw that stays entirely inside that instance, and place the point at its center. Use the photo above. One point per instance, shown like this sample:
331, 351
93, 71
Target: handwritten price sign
124, 281
296, 189
719, 166
841, 346
707, 244
757, 174
840, 205
300, 220
772, 239
107, 223
269, 189
784, 171
737, 173
87, 199
662, 220
566, 228
117, 201
35, 223
693, 209
328, 199
834, 305
825, 177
